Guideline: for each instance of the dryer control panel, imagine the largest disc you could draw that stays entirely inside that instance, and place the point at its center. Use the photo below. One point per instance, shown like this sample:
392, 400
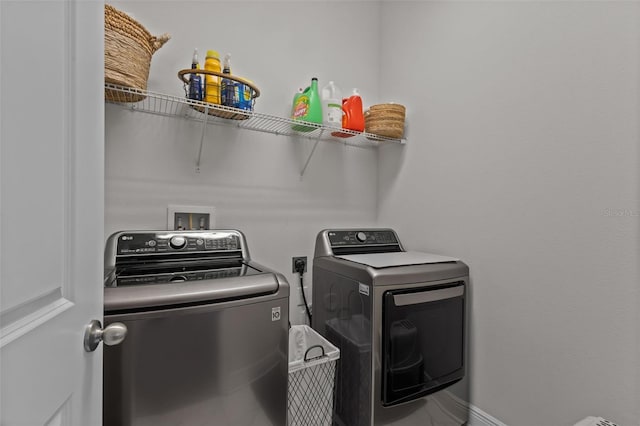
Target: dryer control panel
354, 241
364, 237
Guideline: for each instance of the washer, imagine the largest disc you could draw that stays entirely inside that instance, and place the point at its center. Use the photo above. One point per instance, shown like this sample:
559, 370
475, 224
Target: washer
207, 339
398, 318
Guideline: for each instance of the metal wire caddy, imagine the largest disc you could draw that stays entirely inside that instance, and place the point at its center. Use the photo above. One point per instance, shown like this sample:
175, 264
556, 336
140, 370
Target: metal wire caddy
176, 106
252, 92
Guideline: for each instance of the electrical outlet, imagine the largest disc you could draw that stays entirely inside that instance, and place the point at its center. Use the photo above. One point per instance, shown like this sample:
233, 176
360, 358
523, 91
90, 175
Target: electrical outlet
294, 260
190, 217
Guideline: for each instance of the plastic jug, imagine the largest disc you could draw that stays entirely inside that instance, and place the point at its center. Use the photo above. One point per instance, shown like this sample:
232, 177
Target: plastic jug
353, 118
212, 82
331, 105
307, 106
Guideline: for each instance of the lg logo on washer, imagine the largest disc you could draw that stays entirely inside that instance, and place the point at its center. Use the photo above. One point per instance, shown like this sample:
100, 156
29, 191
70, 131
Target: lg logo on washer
275, 313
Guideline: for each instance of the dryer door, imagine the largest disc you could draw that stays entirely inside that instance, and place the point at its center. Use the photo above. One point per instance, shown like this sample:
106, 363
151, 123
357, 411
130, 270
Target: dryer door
422, 341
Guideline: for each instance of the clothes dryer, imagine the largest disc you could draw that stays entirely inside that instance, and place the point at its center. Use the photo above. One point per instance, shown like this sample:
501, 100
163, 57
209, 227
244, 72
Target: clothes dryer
399, 320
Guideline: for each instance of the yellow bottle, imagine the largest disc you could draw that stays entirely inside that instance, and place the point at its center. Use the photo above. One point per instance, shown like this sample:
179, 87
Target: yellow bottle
212, 82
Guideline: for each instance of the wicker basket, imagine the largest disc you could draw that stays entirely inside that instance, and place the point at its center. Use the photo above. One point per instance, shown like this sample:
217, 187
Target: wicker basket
128, 48
385, 120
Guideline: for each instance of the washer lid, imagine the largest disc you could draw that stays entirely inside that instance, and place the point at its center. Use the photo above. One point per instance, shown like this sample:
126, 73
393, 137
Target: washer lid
206, 291
403, 258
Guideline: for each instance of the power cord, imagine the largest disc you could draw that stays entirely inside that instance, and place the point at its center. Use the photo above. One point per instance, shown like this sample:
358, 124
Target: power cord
299, 267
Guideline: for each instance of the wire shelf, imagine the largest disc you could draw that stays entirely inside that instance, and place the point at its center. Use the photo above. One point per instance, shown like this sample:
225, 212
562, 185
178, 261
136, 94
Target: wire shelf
174, 106
168, 105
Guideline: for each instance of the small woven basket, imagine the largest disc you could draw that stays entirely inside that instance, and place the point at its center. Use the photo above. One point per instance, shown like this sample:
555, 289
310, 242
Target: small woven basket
385, 120
128, 48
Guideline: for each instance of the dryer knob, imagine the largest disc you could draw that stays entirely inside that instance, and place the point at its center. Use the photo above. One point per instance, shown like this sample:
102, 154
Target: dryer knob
177, 242
361, 236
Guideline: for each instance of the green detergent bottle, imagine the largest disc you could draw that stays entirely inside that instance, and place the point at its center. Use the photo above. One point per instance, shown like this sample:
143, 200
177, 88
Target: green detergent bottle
307, 106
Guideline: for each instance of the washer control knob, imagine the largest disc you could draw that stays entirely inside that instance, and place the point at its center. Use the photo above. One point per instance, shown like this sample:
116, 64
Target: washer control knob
361, 236
177, 242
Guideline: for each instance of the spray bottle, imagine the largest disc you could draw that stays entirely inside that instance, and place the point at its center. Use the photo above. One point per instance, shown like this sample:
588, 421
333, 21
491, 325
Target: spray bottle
228, 87
195, 81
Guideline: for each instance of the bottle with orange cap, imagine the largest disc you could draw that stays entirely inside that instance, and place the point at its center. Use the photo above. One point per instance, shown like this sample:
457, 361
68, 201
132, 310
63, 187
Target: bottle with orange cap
353, 118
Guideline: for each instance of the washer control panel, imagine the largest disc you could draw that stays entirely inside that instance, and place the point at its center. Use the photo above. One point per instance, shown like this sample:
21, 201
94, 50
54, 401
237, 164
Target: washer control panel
178, 277
140, 243
342, 238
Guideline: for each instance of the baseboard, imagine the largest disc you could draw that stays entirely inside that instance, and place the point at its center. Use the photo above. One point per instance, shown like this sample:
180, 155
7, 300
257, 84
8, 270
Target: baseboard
477, 417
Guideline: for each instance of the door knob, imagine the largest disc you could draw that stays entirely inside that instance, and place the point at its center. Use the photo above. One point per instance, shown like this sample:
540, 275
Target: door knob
111, 335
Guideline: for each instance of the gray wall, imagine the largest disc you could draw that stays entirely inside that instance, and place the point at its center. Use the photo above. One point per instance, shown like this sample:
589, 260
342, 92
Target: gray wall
253, 179
523, 160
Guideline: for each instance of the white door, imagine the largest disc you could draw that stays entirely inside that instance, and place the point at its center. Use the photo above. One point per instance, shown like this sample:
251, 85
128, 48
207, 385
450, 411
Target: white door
51, 210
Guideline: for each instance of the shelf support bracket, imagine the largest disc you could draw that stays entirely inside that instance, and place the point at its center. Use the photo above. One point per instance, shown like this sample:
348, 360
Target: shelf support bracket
315, 145
204, 128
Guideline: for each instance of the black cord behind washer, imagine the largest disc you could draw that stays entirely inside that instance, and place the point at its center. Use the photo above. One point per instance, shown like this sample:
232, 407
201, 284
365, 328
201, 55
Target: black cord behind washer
300, 270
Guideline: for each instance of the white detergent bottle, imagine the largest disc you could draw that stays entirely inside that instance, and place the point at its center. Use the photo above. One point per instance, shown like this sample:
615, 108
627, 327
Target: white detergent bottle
331, 105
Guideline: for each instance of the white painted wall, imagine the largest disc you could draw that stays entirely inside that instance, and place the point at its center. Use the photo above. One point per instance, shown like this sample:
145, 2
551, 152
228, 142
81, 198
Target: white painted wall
523, 160
251, 178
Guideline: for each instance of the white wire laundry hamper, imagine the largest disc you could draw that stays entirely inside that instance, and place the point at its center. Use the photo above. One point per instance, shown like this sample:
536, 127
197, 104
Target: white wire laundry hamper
312, 369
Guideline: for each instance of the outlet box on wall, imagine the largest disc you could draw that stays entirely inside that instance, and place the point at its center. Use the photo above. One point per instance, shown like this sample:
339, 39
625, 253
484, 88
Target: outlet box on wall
190, 217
